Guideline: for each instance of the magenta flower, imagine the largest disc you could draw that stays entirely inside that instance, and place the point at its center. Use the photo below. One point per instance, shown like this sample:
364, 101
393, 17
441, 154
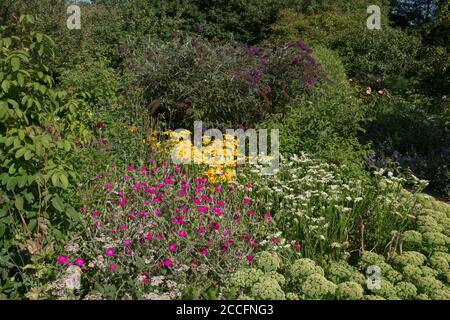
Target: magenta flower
202, 209
110, 252
182, 233
149, 236
249, 258
167, 263
172, 248
61, 259
79, 262
216, 226
201, 230
247, 201
126, 242
131, 168
107, 186
113, 266
203, 251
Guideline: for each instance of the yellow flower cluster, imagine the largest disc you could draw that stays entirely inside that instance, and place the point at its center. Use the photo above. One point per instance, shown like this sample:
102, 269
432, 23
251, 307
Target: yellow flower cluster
220, 156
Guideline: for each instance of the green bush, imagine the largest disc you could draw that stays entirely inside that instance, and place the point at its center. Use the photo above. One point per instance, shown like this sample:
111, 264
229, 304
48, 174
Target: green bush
95, 79
39, 124
327, 122
227, 87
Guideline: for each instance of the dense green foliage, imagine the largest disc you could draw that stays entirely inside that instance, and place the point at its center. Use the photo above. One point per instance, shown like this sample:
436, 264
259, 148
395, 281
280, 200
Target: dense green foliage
85, 178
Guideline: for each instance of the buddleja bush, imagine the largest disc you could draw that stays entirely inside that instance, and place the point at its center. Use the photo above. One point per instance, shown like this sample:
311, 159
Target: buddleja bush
229, 86
37, 130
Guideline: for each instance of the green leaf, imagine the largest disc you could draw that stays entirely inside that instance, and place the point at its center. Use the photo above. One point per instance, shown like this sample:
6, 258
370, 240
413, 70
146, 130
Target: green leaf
39, 37
12, 182
55, 180
20, 79
66, 145
32, 224
15, 63
20, 152
57, 203
7, 42
28, 155
5, 86
64, 180
19, 203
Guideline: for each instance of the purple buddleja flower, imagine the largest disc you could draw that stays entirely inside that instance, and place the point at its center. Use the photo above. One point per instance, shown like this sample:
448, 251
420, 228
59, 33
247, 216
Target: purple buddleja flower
294, 59
264, 62
311, 62
252, 51
199, 28
121, 50
194, 44
254, 76
310, 81
266, 90
299, 44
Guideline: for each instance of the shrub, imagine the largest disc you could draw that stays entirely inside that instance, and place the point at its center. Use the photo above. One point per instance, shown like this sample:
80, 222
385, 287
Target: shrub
39, 123
327, 122
94, 78
227, 87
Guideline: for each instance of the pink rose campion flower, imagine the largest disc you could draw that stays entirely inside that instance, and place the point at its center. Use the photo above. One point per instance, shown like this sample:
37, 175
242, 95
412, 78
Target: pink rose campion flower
172, 248
167, 263
181, 233
113, 266
110, 252
203, 251
79, 262
62, 259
